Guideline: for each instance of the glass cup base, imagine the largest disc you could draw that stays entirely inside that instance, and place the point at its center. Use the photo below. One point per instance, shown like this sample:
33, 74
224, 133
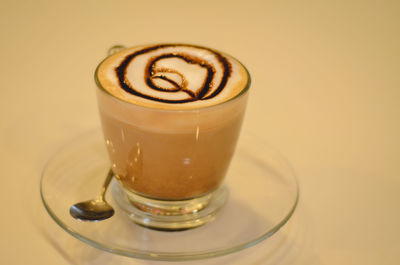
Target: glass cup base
165, 215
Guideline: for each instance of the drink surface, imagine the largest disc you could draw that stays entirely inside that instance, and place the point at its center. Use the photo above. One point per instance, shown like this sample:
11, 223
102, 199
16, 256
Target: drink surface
172, 76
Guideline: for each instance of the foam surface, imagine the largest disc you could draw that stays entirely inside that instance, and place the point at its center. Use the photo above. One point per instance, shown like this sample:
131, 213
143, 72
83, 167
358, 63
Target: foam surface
172, 76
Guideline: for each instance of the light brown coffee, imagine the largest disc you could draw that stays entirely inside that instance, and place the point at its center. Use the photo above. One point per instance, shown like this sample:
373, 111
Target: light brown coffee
178, 146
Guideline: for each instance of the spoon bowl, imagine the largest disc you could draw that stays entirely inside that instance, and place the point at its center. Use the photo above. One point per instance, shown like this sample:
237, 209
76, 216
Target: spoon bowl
96, 209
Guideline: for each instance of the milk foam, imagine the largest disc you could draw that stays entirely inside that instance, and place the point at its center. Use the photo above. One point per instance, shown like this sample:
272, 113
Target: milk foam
172, 76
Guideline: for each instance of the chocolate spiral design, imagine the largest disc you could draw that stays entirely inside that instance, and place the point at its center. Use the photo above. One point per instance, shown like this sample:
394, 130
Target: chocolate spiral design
172, 79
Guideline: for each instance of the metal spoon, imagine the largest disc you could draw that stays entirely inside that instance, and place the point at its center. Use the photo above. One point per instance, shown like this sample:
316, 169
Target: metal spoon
94, 210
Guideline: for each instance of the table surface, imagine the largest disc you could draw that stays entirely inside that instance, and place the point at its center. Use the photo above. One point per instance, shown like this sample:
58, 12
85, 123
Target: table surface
325, 92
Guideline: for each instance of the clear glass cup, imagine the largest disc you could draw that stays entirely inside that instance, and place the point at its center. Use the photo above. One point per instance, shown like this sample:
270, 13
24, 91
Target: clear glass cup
170, 164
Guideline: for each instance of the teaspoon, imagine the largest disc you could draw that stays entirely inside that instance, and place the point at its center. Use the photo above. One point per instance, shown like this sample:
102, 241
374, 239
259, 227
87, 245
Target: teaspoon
96, 209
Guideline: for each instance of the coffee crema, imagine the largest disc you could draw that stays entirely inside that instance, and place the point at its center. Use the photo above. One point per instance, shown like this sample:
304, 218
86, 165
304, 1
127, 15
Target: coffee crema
172, 76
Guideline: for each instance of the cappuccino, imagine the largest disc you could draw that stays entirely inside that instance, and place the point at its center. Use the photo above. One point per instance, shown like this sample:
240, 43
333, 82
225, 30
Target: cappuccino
171, 116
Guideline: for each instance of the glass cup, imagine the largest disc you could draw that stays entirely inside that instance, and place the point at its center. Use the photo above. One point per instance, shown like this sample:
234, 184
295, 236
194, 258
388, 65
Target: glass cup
170, 164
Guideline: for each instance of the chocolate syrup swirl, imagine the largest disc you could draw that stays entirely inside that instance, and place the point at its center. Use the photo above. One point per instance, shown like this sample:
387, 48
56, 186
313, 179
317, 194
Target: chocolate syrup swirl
152, 73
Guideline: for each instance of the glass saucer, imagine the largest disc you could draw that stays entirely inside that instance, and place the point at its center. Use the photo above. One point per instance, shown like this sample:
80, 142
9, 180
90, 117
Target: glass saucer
263, 194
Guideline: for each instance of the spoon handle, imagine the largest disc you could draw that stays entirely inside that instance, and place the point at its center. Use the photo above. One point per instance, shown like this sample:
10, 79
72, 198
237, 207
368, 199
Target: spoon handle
107, 181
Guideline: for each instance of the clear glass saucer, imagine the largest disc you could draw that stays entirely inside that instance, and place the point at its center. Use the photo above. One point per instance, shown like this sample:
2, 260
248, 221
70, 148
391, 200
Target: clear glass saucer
263, 194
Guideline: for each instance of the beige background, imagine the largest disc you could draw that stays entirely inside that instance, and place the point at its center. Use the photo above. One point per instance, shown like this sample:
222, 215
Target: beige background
326, 92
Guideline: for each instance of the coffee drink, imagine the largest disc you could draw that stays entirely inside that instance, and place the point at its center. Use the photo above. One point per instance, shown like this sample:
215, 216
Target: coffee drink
171, 116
